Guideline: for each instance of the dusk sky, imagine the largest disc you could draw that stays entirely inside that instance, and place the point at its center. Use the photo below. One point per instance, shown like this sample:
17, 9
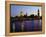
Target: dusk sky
16, 9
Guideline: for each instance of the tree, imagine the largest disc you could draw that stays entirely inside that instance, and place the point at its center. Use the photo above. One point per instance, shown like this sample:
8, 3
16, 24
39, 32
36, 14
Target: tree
32, 16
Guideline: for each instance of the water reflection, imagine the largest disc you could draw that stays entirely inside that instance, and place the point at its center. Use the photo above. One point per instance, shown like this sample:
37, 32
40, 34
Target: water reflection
33, 25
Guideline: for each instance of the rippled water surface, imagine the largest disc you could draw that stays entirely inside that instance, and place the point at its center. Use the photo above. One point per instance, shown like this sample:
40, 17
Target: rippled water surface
26, 26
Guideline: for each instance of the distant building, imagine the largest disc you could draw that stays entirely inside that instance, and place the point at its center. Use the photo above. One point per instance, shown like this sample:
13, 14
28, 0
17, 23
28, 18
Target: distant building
21, 13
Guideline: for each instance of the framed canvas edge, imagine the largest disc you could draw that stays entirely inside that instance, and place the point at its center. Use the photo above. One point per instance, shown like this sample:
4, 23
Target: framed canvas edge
24, 33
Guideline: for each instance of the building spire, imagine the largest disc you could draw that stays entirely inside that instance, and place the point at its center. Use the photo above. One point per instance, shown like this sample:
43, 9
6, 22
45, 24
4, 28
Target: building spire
26, 13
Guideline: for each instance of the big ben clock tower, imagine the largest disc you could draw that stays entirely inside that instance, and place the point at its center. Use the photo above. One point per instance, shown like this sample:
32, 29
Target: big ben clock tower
38, 15
38, 12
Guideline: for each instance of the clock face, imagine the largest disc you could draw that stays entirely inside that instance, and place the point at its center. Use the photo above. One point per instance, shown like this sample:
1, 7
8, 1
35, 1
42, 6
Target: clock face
25, 18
